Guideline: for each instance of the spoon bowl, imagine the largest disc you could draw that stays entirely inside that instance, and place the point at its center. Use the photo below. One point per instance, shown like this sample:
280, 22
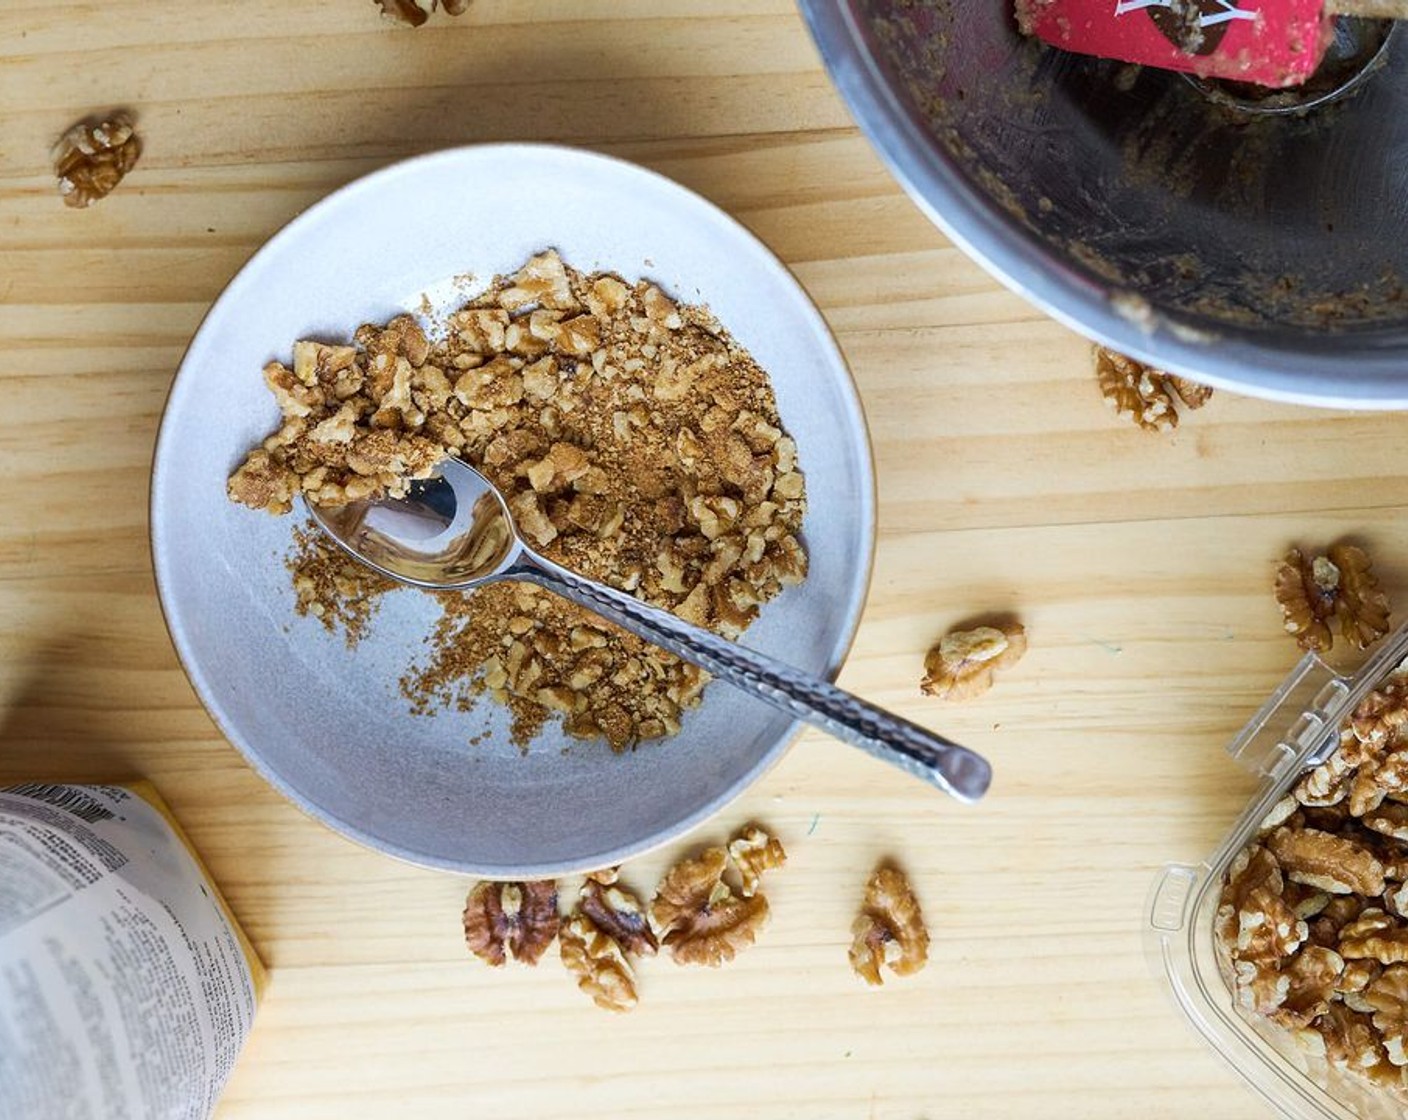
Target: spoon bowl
450, 532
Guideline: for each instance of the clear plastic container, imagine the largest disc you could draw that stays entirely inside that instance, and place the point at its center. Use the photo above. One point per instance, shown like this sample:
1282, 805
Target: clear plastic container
1295, 730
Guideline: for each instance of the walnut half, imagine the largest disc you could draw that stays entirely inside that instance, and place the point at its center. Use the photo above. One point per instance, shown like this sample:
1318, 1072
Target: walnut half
1311, 590
518, 919
599, 962
698, 916
889, 930
617, 912
90, 159
1144, 393
962, 665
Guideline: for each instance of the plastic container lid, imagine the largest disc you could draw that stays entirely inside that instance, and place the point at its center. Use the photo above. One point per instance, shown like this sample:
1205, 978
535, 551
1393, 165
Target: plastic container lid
1295, 730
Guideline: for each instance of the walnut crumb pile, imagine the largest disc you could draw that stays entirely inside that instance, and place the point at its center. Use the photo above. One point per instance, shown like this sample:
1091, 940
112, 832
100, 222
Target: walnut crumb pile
92, 157
889, 931
1312, 926
964, 662
695, 913
1312, 590
636, 443
1144, 393
413, 14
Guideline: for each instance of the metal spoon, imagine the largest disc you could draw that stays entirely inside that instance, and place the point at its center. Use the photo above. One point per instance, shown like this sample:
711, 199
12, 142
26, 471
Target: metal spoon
454, 532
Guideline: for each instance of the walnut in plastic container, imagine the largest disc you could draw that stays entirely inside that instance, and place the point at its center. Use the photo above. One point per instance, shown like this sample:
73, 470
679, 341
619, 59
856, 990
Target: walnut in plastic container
1289, 945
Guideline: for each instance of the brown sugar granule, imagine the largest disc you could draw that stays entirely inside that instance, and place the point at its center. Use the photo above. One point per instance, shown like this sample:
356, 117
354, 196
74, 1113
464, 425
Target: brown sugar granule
636, 443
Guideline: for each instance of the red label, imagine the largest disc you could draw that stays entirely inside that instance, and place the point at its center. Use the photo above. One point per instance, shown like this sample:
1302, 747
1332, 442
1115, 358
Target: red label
1269, 42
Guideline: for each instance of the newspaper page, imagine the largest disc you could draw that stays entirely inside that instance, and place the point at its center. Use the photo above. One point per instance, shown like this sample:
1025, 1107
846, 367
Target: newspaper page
126, 989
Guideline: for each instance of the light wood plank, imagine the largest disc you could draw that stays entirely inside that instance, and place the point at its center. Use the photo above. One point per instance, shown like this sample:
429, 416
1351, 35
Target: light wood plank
1140, 563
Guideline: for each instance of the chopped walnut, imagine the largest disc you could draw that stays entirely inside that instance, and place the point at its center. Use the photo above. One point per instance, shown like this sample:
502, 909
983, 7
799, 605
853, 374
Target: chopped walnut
889, 930
698, 916
962, 665
1311, 591
548, 381
518, 919
92, 157
599, 962
753, 852
618, 913
1144, 393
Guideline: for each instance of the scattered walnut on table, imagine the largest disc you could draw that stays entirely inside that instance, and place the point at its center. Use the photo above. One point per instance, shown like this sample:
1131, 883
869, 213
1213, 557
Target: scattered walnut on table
697, 915
517, 919
92, 157
599, 962
1144, 393
753, 851
964, 662
889, 930
617, 912
1313, 590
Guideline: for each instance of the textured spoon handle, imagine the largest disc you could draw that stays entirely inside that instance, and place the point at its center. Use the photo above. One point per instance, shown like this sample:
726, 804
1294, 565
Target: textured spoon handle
932, 758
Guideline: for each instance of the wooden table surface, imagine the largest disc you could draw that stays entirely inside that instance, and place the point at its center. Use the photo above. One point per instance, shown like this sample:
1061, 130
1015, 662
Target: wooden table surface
1140, 563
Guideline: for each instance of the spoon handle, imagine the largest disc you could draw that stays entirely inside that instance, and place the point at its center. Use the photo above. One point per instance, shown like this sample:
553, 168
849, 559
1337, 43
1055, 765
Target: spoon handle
954, 769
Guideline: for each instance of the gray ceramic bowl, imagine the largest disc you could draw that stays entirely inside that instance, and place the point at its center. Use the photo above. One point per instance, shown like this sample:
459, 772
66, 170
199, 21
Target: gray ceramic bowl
1259, 252
327, 725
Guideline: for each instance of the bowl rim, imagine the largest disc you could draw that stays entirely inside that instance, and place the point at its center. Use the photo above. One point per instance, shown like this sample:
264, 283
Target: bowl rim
853, 607
1226, 356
